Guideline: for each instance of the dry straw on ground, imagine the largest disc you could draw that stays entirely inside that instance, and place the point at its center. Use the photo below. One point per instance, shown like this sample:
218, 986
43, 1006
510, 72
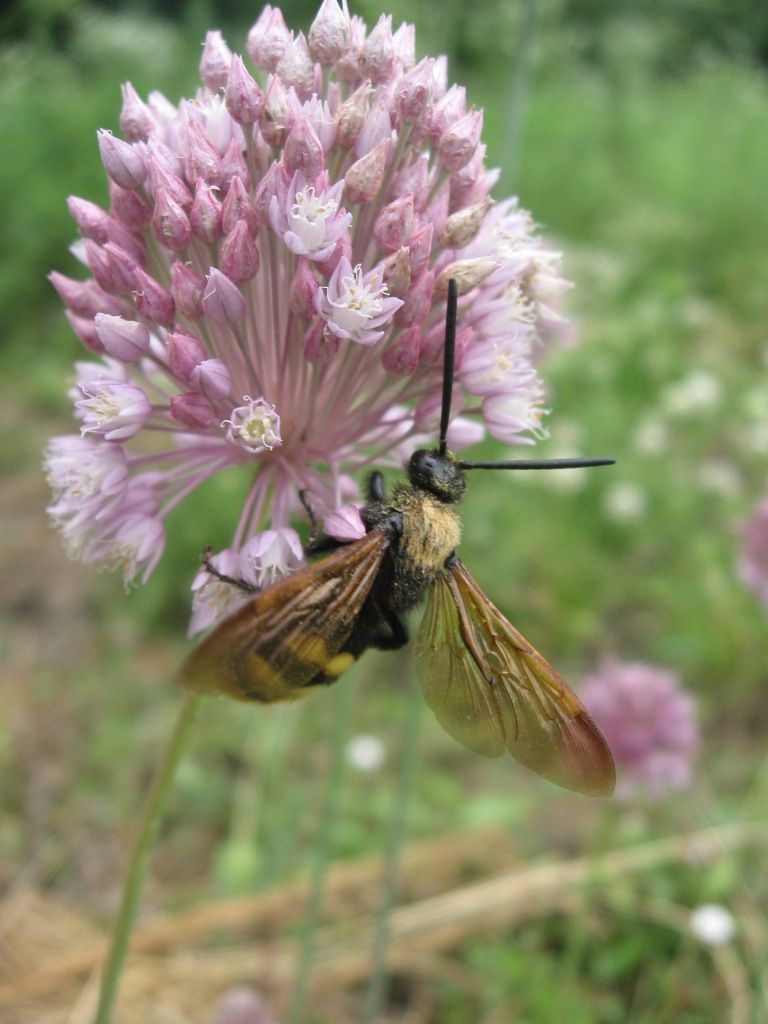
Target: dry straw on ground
451, 888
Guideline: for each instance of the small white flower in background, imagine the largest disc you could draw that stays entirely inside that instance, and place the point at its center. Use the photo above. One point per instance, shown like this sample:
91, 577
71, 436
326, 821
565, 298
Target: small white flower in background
719, 477
624, 502
651, 436
755, 437
713, 924
365, 753
700, 391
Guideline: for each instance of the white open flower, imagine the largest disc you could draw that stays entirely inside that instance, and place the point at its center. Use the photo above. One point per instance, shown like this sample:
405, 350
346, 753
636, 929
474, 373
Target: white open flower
713, 924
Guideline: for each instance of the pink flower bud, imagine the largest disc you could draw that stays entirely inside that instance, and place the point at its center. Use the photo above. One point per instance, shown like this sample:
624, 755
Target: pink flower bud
153, 302
160, 179
402, 356
118, 234
76, 295
303, 289
238, 206
296, 68
437, 211
122, 161
397, 272
212, 378
202, 162
414, 178
129, 208
376, 128
192, 410
112, 267
222, 301
328, 33
278, 115
461, 227
379, 51
352, 114
205, 215
215, 61
459, 141
420, 249
126, 340
268, 39
86, 331
417, 301
441, 76
238, 255
233, 165
348, 67
344, 524
468, 274
170, 225
156, 150
319, 345
449, 109
92, 222
303, 151
187, 289
243, 97
414, 93
394, 224
363, 179
404, 41
274, 183
135, 117
123, 267
343, 248
184, 353
433, 344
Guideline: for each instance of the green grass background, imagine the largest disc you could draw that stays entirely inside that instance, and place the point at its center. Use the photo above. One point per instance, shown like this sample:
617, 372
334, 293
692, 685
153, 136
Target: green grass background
639, 141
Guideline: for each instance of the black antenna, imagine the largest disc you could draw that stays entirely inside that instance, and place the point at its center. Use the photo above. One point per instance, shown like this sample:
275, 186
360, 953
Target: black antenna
538, 464
448, 360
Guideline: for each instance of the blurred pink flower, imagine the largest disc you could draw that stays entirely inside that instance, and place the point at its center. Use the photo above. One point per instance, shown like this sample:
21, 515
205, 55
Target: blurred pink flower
753, 558
242, 1006
266, 290
650, 724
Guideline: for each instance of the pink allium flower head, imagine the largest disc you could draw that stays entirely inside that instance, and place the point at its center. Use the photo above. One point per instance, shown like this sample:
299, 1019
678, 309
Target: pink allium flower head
650, 724
266, 289
753, 559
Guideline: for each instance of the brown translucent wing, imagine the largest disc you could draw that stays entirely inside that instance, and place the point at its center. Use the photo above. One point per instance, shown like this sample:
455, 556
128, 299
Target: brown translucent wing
493, 692
290, 633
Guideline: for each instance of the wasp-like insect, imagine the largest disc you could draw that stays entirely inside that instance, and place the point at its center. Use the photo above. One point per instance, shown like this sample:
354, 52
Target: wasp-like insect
488, 687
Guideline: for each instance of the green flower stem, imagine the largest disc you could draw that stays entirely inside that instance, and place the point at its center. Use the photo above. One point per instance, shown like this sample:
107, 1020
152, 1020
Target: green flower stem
321, 854
137, 867
374, 999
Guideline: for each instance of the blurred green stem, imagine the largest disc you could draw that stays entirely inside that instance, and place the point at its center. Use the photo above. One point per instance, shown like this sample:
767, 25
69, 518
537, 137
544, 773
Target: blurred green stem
374, 998
137, 866
518, 95
321, 852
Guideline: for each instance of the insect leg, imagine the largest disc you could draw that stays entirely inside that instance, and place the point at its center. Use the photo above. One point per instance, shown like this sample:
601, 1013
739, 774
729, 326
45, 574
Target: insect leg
241, 584
313, 528
376, 486
395, 635
317, 544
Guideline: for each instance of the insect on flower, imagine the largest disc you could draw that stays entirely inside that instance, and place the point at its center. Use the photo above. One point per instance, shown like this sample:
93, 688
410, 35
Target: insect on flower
488, 687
